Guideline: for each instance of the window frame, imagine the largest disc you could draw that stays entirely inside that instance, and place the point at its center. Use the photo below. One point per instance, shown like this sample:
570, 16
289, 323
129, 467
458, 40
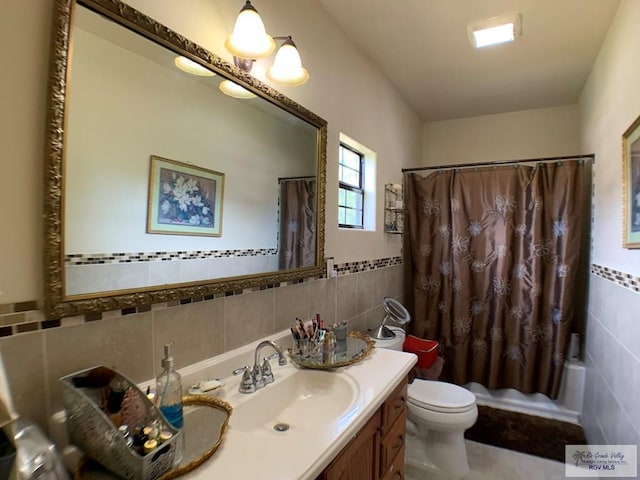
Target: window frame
358, 190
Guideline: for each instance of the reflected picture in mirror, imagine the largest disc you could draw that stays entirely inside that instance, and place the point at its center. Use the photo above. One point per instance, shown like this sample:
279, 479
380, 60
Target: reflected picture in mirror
184, 199
154, 94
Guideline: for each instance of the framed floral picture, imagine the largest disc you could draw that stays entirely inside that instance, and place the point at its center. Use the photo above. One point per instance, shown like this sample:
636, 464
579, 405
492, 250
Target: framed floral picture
631, 185
184, 199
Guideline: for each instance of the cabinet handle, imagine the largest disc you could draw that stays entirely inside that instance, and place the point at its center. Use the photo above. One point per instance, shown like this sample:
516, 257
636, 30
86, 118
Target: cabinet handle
399, 404
398, 443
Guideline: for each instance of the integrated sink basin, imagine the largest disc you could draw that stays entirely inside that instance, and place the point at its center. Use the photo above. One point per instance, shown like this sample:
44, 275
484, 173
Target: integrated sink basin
300, 400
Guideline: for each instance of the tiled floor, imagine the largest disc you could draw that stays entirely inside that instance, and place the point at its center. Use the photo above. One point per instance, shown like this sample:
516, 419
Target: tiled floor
493, 463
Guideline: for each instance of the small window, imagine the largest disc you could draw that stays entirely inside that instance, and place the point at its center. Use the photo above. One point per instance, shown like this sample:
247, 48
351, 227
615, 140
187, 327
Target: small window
350, 189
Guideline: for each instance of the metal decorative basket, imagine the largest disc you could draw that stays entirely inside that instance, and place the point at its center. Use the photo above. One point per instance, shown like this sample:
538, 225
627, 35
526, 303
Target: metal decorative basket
94, 432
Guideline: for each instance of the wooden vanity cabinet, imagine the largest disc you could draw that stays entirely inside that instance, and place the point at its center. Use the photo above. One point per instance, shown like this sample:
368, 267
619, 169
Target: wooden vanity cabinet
359, 459
393, 433
377, 451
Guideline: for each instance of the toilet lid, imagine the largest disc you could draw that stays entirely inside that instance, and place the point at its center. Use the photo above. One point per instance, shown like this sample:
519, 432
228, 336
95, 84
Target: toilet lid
440, 396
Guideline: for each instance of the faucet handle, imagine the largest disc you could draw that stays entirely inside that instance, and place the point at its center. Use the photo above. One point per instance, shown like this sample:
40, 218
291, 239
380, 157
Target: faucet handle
257, 377
267, 374
248, 383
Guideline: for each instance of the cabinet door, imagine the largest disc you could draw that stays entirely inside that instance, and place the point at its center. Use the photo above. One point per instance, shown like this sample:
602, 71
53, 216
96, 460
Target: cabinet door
396, 469
392, 446
359, 459
394, 406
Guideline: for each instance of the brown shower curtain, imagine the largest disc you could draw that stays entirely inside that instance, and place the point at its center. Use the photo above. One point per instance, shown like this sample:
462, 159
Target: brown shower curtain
495, 253
297, 223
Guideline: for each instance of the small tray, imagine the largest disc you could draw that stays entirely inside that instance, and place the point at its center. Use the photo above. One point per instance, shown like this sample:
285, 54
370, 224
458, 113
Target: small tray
355, 348
196, 389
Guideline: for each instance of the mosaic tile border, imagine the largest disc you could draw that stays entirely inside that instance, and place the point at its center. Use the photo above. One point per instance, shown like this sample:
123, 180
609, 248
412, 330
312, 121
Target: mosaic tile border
366, 265
24, 317
622, 279
106, 258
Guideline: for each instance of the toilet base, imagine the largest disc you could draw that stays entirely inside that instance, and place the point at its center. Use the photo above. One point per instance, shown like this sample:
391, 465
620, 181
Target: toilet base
437, 455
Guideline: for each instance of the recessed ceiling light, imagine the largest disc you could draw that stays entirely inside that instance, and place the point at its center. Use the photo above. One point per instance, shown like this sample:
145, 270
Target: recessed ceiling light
494, 30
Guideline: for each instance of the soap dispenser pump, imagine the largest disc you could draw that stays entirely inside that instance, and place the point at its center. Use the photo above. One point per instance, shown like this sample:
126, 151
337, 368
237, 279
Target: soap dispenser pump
169, 390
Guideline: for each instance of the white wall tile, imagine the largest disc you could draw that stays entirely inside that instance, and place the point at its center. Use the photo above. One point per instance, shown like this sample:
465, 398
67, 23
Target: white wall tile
611, 408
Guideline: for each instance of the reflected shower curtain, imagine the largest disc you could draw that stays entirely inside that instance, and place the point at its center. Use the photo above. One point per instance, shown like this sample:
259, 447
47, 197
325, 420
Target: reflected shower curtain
297, 223
495, 253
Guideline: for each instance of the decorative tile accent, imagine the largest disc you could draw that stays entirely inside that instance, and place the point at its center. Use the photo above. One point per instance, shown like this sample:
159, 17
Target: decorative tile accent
366, 265
26, 327
50, 323
13, 318
625, 280
23, 316
92, 317
25, 306
103, 258
79, 319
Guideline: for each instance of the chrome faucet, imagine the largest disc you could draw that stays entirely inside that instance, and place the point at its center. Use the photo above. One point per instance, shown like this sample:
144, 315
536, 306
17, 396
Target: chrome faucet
260, 375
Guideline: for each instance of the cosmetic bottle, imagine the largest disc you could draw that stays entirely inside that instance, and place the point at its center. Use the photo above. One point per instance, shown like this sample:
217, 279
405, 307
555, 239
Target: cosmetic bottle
169, 397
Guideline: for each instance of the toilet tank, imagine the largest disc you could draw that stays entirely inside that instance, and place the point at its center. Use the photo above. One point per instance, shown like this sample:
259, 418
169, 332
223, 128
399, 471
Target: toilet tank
392, 343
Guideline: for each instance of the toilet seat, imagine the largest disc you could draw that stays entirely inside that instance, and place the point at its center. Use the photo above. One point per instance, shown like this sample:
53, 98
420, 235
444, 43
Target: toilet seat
440, 396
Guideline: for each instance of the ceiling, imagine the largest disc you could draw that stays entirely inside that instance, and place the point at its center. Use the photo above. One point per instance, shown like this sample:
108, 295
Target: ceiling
423, 48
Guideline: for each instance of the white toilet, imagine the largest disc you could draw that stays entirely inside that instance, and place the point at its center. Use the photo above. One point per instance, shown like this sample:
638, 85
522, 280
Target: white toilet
438, 415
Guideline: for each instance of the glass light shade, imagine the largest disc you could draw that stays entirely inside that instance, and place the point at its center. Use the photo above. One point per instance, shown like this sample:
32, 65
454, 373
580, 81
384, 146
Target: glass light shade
234, 90
249, 38
287, 67
187, 65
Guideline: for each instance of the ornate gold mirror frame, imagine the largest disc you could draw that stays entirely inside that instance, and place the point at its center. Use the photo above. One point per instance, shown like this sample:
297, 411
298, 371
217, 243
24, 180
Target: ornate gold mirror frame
57, 304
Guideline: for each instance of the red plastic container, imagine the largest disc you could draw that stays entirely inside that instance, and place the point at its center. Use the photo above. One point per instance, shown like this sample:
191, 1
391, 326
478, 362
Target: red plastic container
426, 350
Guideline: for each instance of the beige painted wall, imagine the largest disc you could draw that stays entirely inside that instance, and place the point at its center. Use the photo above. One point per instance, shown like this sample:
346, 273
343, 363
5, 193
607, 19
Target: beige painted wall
107, 180
24, 30
345, 89
609, 103
543, 132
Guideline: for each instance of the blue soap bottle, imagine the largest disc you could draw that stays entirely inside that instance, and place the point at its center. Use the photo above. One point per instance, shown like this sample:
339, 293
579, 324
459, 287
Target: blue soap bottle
169, 395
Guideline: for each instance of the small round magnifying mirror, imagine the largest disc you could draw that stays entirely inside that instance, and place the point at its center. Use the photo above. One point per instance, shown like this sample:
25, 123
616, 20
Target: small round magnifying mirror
395, 311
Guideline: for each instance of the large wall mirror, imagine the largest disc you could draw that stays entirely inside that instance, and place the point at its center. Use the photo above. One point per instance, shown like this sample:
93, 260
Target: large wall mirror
159, 185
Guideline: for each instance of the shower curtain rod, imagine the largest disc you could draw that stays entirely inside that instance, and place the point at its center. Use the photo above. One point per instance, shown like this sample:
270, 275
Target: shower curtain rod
504, 162
280, 179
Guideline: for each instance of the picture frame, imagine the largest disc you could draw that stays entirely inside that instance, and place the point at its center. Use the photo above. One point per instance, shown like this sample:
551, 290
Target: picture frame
184, 199
631, 185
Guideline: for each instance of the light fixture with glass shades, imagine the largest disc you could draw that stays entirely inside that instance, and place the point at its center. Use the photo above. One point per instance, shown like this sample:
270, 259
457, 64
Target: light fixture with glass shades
187, 65
287, 67
234, 90
249, 41
495, 30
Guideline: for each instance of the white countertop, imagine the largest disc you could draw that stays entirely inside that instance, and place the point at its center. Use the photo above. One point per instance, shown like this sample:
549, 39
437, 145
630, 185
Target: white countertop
303, 454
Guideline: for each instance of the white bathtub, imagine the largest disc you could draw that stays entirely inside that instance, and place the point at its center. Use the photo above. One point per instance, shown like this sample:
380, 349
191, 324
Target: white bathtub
567, 407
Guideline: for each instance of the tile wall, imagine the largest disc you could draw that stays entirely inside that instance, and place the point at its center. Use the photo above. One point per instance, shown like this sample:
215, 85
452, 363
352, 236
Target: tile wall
612, 354
132, 343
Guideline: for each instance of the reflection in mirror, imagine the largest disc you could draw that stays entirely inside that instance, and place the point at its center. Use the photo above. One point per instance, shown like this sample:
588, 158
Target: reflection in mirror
205, 423
237, 200
352, 349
